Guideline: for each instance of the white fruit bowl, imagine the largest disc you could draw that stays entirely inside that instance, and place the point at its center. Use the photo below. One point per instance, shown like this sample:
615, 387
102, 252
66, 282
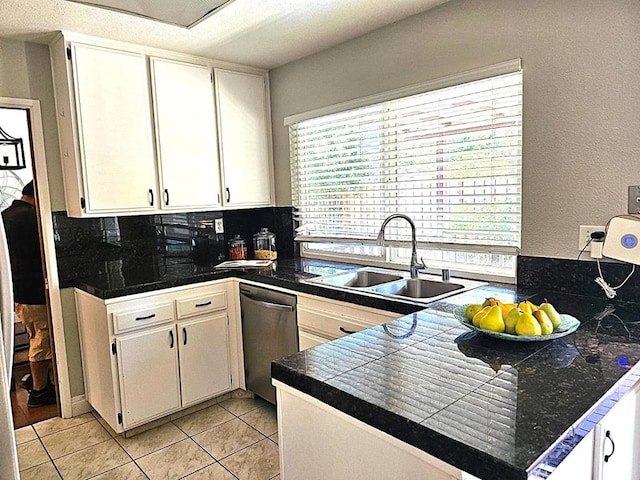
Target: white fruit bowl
568, 325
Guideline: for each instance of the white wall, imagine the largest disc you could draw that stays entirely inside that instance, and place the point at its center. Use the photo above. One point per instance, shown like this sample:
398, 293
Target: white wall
25, 72
581, 133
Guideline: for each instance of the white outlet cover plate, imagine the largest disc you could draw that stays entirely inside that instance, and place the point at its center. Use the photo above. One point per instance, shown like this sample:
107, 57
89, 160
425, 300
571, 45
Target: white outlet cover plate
585, 235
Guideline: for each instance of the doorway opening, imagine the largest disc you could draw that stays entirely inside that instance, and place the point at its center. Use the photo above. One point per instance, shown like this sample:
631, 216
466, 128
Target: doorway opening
15, 124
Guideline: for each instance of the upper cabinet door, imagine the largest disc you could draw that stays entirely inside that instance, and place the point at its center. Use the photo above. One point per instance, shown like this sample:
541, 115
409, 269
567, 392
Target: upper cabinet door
115, 129
244, 138
186, 135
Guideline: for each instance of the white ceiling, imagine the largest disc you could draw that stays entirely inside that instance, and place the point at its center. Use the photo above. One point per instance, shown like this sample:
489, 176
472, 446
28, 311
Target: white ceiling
261, 33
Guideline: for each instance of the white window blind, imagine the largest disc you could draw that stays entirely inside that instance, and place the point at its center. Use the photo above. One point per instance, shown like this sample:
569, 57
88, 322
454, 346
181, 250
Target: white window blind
449, 158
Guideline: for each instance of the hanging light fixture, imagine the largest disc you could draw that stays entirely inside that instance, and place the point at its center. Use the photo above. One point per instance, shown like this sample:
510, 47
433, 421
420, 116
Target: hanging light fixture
11, 152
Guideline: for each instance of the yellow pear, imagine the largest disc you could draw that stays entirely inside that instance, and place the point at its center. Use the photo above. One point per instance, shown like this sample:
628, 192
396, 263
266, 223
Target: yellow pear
552, 313
492, 320
511, 319
472, 309
527, 307
528, 325
489, 302
546, 326
506, 308
478, 316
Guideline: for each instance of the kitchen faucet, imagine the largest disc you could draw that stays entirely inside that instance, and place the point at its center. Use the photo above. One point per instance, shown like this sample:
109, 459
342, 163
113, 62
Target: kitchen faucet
415, 265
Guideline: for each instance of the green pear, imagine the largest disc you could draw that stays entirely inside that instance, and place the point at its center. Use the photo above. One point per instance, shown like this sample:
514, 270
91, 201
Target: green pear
493, 320
546, 326
552, 313
511, 319
528, 325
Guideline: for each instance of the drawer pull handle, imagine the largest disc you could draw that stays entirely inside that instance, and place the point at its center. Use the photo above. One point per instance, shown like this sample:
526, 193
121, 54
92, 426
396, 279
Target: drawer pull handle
171, 335
342, 329
613, 446
184, 336
206, 304
146, 318
151, 197
228, 194
166, 196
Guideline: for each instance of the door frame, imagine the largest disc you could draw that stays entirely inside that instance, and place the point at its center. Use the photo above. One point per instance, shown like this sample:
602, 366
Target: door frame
41, 177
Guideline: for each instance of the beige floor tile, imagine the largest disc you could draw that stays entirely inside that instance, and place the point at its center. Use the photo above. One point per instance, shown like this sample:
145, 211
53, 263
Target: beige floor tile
105, 425
25, 434
129, 471
175, 461
56, 424
31, 454
203, 420
240, 406
46, 471
92, 461
263, 419
212, 472
227, 438
274, 438
75, 438
151, 440
257, 462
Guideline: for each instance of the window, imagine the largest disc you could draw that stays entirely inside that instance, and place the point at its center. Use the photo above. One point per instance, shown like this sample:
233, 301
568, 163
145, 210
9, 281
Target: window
449, 157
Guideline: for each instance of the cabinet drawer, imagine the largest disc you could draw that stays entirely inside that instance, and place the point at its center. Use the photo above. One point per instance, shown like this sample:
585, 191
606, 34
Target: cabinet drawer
142, 317
364, 315
204, 303
308, 340
328, 323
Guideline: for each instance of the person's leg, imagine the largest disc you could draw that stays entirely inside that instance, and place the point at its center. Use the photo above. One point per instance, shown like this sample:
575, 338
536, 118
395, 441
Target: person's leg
36, 323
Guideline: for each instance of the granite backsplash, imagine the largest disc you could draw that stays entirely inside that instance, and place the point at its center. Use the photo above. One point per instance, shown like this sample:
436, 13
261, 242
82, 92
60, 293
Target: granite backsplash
577, 276
81, 242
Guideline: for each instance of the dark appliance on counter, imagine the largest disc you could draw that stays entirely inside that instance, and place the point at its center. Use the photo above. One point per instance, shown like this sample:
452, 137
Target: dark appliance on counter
269, 332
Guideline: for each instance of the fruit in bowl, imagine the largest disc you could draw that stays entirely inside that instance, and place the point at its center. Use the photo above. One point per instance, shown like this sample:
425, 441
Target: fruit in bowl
522, 319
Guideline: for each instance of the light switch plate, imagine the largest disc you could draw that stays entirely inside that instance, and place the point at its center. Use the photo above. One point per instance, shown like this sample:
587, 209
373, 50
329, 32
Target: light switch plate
218, 225
634, 198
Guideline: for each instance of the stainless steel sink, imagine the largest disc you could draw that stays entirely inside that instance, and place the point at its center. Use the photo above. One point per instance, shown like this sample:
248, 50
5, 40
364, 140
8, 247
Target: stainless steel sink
417, 288
395, 284
360, 279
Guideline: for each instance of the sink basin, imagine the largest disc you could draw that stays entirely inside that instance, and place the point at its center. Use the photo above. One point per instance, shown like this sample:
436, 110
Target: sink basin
395, 284
417, 288
360, 279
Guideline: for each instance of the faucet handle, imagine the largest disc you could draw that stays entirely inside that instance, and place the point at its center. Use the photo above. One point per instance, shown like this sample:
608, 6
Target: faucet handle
422, 264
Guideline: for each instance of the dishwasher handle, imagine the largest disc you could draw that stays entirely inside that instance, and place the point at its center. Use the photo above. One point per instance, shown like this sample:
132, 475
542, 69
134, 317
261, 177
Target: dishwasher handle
273, 306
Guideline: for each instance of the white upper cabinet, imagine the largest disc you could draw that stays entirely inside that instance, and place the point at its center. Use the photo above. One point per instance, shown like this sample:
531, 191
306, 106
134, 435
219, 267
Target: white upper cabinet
140, 132
244, 138
114, 131
186, 135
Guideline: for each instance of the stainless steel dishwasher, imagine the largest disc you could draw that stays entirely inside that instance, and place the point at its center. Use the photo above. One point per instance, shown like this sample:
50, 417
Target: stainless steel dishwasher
269, 332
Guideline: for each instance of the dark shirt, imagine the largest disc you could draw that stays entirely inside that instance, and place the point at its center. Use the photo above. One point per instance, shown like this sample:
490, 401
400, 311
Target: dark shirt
21, 225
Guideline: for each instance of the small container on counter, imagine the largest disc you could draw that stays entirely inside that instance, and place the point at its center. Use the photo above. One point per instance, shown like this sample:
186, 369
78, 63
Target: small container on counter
237, 248
264, 245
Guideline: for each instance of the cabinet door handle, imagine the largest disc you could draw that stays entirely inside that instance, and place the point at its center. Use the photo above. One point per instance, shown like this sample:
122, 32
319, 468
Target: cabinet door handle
151, 197
613, 446
166, 196
146, 318
342, 329
171, 336
206, 304
228, 194
184, 336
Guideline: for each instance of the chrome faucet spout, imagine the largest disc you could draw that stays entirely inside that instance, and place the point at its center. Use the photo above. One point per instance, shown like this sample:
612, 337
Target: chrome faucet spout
415, 265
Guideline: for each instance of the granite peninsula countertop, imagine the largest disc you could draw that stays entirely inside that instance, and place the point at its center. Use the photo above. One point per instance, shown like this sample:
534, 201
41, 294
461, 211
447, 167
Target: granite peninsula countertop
492, 408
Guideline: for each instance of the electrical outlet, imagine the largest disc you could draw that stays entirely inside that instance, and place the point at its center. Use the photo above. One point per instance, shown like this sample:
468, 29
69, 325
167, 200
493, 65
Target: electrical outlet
585, 235
218, 225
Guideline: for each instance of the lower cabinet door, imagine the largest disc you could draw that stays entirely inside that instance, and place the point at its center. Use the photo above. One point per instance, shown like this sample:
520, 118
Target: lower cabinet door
204, 357
149, 377
618, 441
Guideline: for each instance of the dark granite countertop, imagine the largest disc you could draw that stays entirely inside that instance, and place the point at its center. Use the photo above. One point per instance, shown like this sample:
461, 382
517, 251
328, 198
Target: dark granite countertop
493, 408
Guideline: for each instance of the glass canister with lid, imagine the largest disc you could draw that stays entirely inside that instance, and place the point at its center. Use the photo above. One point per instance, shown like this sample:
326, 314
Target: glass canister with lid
237, 248
264, 245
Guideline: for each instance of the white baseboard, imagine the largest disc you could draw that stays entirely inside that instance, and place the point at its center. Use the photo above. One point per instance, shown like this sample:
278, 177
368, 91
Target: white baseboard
79, 406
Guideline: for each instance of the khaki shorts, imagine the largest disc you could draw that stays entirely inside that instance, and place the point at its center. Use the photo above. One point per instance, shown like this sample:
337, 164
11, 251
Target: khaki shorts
34, 318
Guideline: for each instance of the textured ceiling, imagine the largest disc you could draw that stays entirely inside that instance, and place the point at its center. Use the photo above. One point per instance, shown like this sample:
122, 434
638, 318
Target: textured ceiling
261, 33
